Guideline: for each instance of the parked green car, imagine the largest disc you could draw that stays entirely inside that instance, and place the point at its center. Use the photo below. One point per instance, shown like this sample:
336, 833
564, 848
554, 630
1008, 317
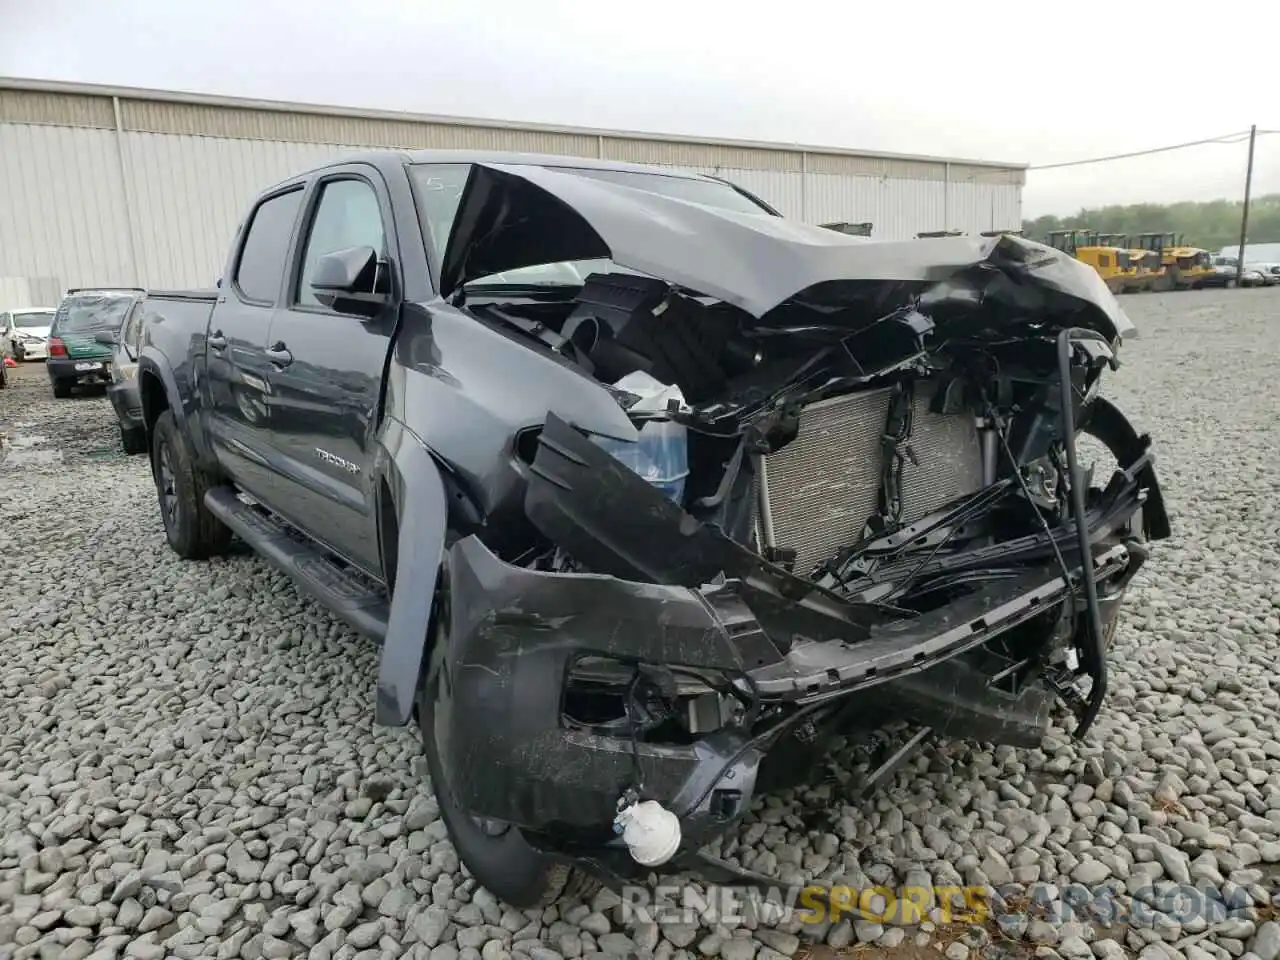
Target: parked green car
83, 334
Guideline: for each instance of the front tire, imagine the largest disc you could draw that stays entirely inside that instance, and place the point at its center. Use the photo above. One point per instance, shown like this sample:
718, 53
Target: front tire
497, 855
192, 531
19, 352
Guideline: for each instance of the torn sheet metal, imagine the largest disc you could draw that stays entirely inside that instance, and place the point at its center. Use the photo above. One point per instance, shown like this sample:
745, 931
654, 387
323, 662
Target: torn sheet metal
754, 262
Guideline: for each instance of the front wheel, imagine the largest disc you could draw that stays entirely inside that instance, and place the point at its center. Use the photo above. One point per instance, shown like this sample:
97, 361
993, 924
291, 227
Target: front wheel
192, 531
496, 853
19, 352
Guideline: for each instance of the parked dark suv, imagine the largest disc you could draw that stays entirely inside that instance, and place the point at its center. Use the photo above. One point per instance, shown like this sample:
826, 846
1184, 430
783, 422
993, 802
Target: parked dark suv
80, 340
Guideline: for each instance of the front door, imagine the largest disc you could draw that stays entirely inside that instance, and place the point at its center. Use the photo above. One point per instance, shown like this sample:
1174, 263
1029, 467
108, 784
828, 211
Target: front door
235, 348
325, 371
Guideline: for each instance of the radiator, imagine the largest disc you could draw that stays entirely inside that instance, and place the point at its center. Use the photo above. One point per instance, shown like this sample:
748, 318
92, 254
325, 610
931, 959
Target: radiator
825, 484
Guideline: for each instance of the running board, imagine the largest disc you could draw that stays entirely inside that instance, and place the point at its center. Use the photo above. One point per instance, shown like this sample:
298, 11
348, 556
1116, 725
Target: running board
345, 594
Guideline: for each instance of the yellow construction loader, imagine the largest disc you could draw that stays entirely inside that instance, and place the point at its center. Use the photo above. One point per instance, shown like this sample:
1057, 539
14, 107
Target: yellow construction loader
1185, 267
1145, 268
1110, 263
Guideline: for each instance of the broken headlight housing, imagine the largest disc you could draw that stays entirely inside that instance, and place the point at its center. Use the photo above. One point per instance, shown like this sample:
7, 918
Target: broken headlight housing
650, 701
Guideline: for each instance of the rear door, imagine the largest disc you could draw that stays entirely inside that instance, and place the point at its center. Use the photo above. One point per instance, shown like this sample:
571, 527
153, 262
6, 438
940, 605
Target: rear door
236, 343
325, 369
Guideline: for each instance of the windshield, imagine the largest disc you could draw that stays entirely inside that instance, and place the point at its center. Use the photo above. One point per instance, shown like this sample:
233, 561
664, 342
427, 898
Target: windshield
28, 320
91, 313
439, 187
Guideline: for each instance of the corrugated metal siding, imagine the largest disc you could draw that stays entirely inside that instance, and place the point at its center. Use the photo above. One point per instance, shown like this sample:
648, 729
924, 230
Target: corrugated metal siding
191, 169
189, 194
151, 116
985, 206
70, 110
899, 209
683, 154
62, 211
29, 292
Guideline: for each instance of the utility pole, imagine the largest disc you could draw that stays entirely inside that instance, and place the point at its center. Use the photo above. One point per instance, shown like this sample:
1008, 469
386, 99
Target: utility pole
1244, 215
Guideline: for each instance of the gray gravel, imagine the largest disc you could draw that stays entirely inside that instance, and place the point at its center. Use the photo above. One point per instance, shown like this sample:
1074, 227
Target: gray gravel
189, 767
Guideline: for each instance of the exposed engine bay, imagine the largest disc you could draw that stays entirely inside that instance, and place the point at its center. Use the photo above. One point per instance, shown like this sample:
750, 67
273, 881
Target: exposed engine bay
864, 503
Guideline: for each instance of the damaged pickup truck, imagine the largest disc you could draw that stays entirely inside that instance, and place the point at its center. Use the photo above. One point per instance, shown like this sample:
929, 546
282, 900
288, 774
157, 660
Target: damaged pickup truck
648, 492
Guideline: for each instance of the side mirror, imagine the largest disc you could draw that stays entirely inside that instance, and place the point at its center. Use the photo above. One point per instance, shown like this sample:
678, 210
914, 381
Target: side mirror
348, 281
107, 337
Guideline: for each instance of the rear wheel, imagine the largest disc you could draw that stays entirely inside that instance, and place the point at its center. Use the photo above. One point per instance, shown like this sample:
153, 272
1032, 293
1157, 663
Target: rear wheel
193, 532
62, 389
496, 853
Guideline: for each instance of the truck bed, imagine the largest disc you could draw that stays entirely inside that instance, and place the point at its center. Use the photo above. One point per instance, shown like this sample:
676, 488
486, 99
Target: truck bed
210, 294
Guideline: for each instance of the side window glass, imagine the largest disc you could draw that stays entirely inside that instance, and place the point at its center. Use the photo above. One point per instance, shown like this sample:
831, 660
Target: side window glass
440, 187
262, 258
347, 216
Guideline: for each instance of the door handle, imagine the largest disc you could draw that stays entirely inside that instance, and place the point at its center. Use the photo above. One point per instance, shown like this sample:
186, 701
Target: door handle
216, 341
280, 355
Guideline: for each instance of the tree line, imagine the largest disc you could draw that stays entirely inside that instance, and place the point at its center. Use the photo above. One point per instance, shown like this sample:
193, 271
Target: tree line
1212, 224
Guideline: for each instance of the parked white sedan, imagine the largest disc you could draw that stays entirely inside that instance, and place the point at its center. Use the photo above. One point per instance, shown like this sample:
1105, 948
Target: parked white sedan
24, 333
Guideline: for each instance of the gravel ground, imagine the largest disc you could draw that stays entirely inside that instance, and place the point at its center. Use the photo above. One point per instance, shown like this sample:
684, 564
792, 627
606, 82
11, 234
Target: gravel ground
189, 767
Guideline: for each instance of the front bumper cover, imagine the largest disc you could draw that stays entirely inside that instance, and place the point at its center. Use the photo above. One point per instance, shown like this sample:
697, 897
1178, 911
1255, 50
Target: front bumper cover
510, 750
515, 633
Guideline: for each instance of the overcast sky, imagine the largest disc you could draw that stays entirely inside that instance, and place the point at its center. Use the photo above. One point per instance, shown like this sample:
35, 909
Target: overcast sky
1031, 82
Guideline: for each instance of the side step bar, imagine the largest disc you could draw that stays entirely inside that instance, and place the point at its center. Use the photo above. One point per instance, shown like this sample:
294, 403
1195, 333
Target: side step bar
364, 608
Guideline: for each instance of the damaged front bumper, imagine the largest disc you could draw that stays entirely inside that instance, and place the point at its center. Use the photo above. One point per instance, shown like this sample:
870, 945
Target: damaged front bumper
515, 635
795, 651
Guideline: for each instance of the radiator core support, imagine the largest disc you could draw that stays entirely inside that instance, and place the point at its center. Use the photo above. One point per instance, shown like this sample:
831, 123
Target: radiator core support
824, 486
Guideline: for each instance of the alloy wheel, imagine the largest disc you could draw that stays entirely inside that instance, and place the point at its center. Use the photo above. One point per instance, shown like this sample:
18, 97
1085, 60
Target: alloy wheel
168, 488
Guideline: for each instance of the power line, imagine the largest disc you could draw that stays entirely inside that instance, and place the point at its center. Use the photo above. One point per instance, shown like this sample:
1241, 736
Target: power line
1224, 138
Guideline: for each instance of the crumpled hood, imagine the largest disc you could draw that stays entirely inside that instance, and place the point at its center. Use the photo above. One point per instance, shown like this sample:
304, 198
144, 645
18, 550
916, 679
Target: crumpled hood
40, 333
517, 215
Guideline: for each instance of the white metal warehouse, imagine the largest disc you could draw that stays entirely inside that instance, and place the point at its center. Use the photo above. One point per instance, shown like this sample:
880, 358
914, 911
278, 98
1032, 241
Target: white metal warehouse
121, 186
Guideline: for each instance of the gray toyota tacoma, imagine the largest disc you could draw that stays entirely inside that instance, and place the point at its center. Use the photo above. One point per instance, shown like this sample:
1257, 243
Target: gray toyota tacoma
648, 492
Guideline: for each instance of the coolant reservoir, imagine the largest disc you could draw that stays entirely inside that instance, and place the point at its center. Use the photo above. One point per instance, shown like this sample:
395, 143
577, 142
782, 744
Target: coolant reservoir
661, 455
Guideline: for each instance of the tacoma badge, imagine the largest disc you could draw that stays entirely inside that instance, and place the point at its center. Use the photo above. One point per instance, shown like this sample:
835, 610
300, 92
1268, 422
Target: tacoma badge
337, 461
